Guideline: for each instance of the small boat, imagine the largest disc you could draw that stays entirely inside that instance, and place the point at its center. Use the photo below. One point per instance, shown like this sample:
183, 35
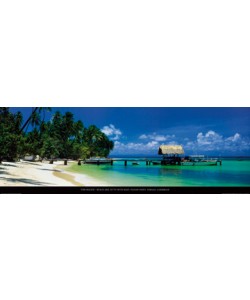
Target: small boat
135, 163
187, 163
200, 163
199, 160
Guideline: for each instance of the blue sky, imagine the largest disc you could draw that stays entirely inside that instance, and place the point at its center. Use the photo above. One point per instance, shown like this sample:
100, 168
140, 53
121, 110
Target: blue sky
210, 131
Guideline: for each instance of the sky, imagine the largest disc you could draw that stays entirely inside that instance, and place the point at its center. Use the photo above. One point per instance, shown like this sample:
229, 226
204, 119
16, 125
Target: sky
140, 131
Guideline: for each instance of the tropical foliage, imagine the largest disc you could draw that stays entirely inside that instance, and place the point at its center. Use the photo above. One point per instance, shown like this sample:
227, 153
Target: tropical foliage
61, 137
10, 137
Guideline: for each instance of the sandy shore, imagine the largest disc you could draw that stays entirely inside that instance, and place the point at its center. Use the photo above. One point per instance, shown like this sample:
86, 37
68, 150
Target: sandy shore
25, 173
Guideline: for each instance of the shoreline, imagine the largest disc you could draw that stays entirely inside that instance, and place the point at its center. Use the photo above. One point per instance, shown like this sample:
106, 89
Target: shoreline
78, 177
26, 173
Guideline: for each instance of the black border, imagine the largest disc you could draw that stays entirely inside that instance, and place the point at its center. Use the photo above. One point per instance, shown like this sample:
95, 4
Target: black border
123, 190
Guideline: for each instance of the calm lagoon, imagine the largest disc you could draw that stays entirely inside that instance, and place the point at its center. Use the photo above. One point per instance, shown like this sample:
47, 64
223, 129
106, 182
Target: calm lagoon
232, 172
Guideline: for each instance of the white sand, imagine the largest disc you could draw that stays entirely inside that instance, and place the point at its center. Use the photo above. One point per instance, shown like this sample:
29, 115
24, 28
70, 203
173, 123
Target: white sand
42, 174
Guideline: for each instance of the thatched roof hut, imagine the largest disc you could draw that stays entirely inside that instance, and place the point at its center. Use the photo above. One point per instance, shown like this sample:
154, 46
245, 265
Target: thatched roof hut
170, 149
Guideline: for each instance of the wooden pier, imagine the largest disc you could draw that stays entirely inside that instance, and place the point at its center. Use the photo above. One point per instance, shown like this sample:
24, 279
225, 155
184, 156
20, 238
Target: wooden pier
148, 162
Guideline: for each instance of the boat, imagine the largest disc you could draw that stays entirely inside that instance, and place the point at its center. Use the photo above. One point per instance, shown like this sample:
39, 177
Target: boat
200, 163
199, 160
135, 163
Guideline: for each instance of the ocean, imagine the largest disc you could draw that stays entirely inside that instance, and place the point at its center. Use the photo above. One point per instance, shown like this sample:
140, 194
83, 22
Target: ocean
234, 171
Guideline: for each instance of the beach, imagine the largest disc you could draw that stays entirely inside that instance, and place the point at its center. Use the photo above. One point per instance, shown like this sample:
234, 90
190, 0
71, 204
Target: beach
232, 172
25, 173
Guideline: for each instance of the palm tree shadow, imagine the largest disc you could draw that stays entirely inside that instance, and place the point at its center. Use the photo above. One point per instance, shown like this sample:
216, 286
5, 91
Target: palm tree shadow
3, 172
9, 165
27, 181
20, 180
52, 170
31, 163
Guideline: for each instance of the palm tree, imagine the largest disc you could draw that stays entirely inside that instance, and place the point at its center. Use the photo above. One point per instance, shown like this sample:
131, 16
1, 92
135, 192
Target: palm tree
34, 117
92, 135
9, 133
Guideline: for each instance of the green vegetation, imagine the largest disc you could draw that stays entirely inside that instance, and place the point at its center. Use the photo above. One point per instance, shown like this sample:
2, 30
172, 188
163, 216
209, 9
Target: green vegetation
61, 137
10, 138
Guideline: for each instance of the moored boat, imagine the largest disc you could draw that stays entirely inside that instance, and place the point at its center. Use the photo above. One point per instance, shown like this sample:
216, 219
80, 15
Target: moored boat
200, 163
199, 160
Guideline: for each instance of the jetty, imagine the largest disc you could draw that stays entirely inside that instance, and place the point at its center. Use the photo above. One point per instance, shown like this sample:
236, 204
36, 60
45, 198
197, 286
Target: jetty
146, 161
111, 161
170, 156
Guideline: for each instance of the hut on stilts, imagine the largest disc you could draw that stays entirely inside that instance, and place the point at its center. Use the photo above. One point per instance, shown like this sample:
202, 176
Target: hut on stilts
171, 154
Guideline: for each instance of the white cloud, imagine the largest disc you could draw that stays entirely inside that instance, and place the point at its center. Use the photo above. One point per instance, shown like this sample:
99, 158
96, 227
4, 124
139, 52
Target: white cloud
234, 138
143, 136
204, 142
112, 132
152, 144
212, 141
237, 143
133, 148
156, 137
160, 138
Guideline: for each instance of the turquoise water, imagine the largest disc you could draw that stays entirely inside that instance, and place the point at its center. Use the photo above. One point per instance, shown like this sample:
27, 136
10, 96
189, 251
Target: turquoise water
232, 172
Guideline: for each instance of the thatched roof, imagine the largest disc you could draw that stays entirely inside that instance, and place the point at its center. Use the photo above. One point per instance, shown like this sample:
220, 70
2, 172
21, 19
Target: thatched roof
170, 149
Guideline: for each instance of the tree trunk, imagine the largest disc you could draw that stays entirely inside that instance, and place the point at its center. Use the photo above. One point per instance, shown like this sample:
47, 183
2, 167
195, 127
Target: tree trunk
27, 122
65, 162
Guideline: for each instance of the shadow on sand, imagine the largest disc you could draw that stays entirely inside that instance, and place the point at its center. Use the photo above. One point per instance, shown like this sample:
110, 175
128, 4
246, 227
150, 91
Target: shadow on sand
30, 163
8, 165
27, 181
3, 173
20, 180
52, 170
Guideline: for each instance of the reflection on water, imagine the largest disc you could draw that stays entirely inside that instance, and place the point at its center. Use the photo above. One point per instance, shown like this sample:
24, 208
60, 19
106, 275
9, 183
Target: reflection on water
163, 171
